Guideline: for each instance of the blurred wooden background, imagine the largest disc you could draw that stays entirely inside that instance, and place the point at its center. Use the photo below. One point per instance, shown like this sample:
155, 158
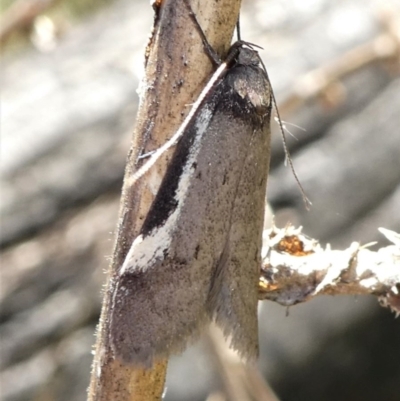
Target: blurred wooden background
68, 109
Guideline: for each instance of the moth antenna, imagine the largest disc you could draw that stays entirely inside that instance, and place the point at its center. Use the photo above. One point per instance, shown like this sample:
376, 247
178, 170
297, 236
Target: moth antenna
174, 139
239, 36
306, 201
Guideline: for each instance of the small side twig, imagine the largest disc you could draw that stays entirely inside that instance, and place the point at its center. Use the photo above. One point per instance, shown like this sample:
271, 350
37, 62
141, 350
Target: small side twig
242, 382
21, 15
325, 82
296, 269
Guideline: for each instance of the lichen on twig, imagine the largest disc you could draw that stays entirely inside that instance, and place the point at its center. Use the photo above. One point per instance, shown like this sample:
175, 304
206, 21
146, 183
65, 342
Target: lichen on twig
296, 269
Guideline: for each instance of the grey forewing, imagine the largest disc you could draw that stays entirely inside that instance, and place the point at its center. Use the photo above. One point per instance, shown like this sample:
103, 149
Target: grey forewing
209, 269
226, 98
165, 202
233, 295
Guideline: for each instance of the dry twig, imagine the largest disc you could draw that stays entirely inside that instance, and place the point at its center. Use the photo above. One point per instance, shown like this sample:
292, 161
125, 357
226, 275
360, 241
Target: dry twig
325, 82
241, 382
20, 15
296, 269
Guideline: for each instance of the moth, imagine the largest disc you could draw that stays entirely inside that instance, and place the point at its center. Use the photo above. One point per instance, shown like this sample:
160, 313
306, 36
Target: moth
198, 255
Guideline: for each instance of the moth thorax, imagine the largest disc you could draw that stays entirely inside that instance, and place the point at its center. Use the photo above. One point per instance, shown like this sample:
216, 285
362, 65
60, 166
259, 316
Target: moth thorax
248, 57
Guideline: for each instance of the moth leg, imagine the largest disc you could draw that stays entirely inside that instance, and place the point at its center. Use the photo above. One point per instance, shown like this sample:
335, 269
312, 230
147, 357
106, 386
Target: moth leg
211, 53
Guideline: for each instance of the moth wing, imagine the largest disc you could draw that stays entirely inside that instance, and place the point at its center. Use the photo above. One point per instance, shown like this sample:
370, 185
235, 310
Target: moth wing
198, 256
234, 295
149, 319
161, 297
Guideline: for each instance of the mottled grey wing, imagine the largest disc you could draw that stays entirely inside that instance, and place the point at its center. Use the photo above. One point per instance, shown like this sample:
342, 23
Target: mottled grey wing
165, 290
234, 295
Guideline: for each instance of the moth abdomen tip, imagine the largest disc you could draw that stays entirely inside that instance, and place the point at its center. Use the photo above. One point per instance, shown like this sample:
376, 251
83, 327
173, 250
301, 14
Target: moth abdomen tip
142, 357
